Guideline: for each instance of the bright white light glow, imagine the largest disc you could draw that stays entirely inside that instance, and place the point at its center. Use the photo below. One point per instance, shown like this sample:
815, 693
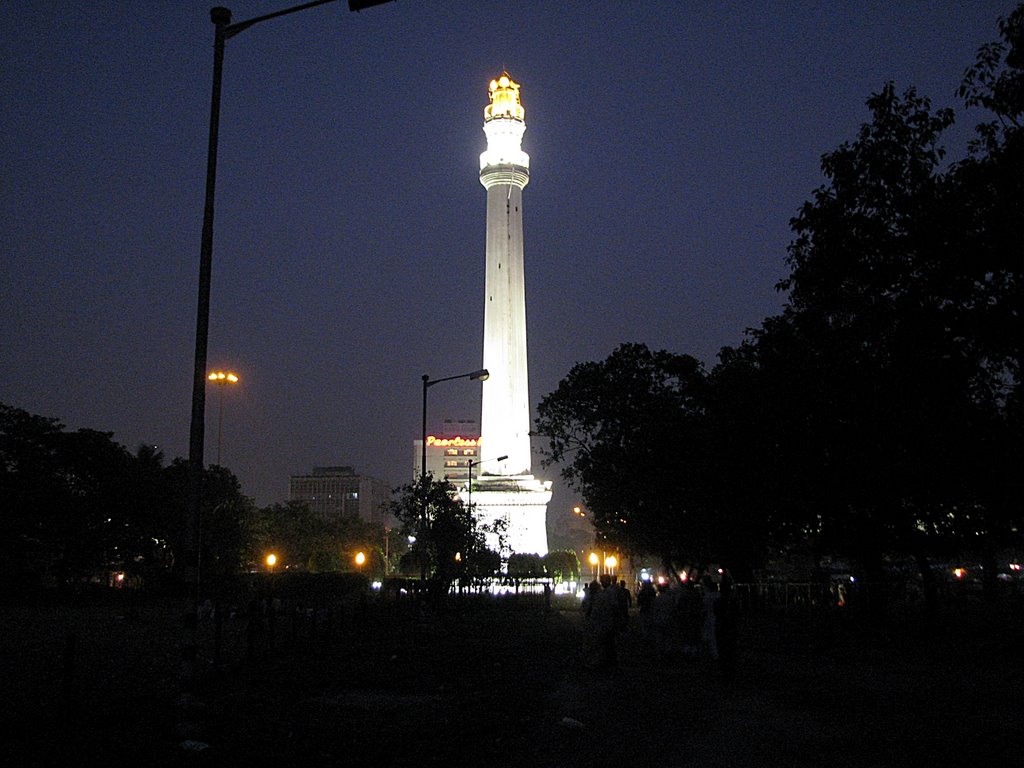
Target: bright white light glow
504, 144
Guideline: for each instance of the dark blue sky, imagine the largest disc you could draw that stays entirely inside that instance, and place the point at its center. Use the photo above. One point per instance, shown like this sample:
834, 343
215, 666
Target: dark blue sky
670, 145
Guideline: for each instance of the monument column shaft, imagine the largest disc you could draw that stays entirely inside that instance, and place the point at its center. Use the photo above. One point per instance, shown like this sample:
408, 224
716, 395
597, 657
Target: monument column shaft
505, 417
507, 497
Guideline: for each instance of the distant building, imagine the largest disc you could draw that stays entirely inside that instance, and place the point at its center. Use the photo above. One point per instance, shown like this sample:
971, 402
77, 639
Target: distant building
449, 453
337, 491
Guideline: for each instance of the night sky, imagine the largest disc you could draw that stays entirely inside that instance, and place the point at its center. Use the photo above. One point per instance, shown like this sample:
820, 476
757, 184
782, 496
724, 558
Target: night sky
670, 145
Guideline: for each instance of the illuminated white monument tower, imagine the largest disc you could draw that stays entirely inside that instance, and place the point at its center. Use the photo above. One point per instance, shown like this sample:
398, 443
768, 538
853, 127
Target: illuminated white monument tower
506, 489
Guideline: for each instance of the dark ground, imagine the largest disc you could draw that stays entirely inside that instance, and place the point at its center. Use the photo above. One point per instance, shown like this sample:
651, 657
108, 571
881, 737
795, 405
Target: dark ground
503, 685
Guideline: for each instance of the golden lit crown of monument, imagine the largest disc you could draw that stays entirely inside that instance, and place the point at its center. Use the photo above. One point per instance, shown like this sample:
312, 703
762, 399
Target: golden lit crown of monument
504, 162
504, 100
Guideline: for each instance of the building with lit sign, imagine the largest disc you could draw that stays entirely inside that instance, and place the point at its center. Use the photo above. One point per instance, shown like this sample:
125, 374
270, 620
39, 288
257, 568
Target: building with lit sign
340, 491
506, 489
449, 453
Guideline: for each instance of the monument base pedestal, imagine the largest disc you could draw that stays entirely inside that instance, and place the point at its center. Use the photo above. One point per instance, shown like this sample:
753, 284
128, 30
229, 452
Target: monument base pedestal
522, 502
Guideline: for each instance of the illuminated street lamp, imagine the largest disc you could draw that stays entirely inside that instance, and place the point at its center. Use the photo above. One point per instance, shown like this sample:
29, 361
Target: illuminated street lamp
469, 487
360, 559
594, 564
610, 564
271, 561
221, 379
480, 375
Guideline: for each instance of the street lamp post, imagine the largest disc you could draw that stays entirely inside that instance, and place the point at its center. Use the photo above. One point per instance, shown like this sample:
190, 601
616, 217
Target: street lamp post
221, 18
480, 375
224, 30
469, 487
221, 379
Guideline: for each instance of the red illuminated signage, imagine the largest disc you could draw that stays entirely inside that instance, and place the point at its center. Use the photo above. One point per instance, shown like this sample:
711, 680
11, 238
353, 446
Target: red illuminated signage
453, 442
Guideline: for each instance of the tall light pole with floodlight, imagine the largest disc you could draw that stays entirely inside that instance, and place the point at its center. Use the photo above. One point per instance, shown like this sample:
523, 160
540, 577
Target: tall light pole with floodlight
224, 30
221, 379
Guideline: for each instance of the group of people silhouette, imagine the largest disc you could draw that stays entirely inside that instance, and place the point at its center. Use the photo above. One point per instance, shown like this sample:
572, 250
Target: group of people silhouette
679, 620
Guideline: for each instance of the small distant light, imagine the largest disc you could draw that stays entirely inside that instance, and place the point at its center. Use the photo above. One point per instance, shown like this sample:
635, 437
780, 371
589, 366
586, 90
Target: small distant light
720, 571
684, 576
1014, 566
959, 572
852, 579
120, 577
661, 579
375, 585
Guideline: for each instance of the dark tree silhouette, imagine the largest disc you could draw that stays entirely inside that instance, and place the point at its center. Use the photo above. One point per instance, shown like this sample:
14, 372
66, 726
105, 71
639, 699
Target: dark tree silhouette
449, 541
628, 434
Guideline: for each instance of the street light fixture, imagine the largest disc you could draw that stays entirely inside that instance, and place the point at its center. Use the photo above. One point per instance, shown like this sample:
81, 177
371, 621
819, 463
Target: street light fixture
221, 379
221, 18
469, 487
480, 375
610, 564
594, 564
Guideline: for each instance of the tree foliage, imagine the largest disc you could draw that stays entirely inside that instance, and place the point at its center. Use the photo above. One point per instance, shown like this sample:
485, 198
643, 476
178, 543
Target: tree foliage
562, 565
449, 543
905, 320
303, 540
880, 413
525, 565
79, 505
627, 432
